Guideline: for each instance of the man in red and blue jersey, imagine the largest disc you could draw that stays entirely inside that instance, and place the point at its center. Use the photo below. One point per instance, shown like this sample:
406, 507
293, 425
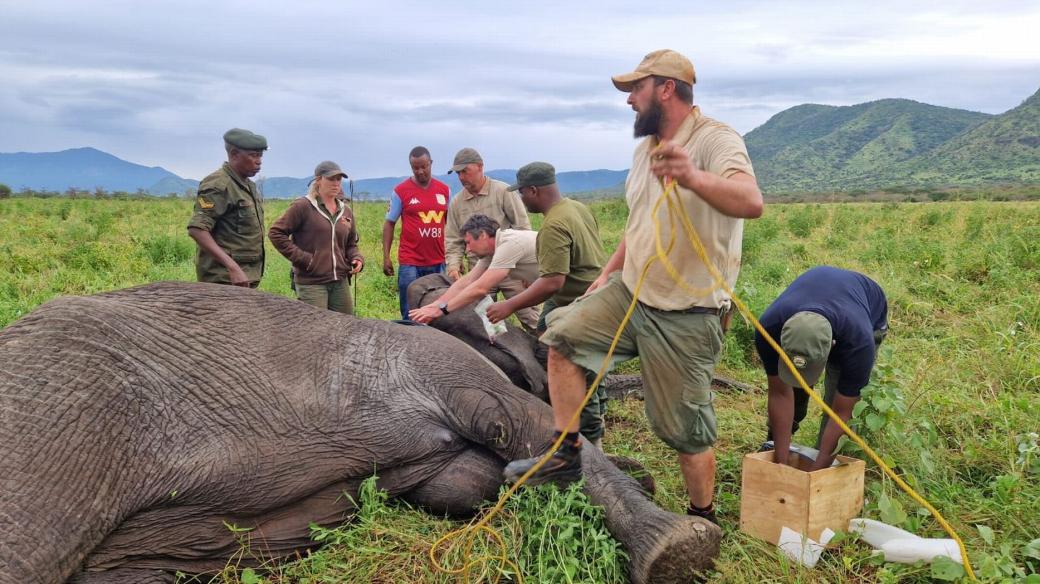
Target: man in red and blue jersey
422, 202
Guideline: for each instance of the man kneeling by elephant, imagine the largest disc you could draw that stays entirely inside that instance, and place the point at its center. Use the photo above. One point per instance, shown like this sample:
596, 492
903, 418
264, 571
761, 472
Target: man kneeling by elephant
505, 255
540, 260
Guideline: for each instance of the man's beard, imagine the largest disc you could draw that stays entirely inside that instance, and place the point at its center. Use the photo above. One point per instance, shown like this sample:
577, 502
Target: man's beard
648, 122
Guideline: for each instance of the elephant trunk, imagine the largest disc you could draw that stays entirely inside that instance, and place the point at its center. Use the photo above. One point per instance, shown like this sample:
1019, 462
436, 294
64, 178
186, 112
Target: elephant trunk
662, 546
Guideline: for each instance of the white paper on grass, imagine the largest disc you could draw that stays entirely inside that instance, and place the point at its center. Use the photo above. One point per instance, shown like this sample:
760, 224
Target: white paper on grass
492, 330
801, 549
908, 551
899, 545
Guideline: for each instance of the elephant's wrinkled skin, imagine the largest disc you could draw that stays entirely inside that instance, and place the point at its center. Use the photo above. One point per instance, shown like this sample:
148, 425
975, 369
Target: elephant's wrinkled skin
516, 353
136, 425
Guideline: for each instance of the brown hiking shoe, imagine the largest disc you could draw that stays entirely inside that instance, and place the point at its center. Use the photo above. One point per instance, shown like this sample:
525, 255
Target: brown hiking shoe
563, 468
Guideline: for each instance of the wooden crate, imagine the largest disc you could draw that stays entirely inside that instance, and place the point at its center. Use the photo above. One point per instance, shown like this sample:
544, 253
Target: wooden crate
774, 496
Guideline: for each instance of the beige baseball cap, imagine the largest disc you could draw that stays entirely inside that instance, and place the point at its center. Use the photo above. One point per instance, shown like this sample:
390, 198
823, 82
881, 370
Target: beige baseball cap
665, 62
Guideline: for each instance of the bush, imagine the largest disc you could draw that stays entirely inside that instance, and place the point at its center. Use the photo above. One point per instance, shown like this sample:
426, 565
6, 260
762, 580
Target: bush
167, 249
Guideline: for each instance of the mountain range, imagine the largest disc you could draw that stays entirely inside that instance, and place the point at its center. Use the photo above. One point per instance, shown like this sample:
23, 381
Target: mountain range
89, 168
807, 148
895, 142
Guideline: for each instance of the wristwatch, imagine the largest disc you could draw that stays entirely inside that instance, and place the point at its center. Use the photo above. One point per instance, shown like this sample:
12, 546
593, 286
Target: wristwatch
444, 307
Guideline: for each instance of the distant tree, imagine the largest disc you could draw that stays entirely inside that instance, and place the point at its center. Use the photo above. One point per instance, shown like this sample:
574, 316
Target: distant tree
5, 191
99, 193
190, 193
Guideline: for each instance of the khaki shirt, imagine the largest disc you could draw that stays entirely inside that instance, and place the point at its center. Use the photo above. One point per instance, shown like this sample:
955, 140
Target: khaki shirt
569, 244
515, 250
715, 148
494, 201
231, 209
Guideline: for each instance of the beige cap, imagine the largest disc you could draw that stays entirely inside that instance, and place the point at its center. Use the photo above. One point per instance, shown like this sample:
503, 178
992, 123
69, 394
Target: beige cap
666, 63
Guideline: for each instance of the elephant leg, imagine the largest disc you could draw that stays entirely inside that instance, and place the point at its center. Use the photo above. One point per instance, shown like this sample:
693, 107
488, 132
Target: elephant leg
124, 576
194, 539
470, 478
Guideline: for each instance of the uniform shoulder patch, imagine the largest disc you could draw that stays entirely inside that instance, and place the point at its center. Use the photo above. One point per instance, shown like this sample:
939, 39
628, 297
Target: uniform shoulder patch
204, 203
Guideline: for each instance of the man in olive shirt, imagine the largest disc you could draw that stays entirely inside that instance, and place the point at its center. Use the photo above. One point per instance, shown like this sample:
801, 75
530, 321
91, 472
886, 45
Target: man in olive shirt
570, 253
228, 222
480, 195
570, 257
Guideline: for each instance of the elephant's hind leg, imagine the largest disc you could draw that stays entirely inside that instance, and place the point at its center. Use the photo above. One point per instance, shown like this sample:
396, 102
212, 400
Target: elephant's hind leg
124, 576
470, 478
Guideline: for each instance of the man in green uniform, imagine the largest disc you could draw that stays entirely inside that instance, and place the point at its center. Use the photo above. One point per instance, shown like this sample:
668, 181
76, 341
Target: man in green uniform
228, 222
570, 257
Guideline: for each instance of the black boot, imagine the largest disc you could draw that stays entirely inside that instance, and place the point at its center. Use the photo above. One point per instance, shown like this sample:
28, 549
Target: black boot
563, 468
705, 513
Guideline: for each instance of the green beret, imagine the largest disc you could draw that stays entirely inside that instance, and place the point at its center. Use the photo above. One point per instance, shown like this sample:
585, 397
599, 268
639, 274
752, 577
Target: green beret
245, 140
536, 174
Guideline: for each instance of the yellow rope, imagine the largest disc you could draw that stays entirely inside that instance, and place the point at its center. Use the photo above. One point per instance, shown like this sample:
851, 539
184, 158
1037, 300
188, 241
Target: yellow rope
477, 526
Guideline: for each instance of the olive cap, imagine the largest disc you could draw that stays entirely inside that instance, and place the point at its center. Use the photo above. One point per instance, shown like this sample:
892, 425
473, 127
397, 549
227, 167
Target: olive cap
464, 157
329, 169
535, 174
245, 140
806, 338
665, 62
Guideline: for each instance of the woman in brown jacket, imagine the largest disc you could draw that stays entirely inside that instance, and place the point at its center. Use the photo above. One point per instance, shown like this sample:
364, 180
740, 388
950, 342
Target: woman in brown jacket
318, 236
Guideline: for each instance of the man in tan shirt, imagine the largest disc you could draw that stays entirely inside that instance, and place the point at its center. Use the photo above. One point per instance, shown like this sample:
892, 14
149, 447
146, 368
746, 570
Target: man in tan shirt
506, 256
676, 328
480, 195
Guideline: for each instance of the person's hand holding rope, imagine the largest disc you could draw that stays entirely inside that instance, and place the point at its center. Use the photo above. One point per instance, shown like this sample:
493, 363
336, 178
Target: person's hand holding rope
670, 161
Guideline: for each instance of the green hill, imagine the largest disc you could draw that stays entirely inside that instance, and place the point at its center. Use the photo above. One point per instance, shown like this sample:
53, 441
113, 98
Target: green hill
818, 147
1004, 148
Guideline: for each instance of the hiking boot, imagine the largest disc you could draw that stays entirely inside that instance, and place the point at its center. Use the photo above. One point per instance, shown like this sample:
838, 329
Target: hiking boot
563, 468
708, 513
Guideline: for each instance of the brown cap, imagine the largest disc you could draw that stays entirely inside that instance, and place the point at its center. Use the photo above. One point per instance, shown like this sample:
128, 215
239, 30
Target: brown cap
666, 63
464, 157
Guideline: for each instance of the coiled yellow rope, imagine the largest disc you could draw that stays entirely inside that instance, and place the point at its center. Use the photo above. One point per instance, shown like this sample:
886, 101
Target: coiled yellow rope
478, 526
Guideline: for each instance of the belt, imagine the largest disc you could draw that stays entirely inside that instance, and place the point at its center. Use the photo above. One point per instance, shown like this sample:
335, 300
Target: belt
719, 311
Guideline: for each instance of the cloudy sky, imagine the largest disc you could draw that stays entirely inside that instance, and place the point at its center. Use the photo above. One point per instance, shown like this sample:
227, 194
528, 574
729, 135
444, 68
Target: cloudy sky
158, 82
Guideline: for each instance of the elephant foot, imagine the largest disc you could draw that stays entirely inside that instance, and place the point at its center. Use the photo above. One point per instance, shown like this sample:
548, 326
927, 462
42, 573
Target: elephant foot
683, 553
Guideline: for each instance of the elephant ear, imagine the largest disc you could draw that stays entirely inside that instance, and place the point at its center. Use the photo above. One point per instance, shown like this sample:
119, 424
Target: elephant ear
426, 289
521, 347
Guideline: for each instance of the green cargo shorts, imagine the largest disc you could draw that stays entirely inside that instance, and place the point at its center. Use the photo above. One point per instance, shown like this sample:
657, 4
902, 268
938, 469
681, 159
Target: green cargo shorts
678, 350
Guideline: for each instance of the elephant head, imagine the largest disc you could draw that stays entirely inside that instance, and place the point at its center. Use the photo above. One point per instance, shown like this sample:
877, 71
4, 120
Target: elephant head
519, 355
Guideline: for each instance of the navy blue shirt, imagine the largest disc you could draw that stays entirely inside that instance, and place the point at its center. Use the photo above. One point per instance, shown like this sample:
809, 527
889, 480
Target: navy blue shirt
852, 303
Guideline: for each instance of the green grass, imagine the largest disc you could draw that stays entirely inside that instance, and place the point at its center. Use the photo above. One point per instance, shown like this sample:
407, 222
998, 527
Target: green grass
954, 401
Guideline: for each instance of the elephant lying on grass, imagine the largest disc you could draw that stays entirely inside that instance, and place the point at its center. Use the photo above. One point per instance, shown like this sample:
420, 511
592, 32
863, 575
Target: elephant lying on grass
136, 426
